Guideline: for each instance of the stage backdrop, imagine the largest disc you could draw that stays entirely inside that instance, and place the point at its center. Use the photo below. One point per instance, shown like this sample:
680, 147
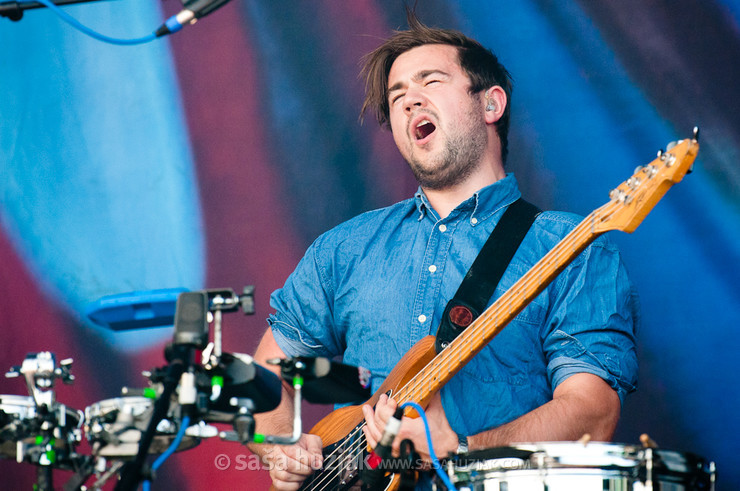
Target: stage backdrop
214, 157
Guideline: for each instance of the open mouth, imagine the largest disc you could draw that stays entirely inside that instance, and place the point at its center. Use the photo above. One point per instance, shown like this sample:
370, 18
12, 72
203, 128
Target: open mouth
424, 129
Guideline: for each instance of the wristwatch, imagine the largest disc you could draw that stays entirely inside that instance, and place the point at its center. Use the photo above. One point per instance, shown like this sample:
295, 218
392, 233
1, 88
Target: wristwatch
462, 444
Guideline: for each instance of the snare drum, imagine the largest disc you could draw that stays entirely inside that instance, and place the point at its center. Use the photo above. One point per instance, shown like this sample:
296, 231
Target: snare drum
566, 466
114, 428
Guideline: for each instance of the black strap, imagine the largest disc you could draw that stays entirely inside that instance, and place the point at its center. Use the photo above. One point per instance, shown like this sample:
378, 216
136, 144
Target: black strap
484, 275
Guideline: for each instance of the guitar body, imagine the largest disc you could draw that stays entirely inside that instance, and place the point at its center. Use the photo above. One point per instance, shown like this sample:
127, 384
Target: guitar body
337, 428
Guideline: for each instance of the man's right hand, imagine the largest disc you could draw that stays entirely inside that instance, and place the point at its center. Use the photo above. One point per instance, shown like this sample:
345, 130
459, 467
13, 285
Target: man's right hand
290, 465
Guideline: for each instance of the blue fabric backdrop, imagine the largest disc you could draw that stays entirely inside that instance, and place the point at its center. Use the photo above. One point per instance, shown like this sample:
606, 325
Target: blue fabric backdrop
214, 157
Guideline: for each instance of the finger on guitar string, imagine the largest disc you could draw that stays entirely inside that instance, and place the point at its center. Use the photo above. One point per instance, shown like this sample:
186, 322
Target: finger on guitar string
377, 417
370, 429
384, 409
377, 420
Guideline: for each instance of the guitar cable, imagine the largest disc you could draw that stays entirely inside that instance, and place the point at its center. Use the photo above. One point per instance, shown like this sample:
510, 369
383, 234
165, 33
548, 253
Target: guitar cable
90, 32
146, 485
435, 461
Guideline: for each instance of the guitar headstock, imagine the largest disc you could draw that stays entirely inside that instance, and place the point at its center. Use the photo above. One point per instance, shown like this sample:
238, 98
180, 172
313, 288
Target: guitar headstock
632, 200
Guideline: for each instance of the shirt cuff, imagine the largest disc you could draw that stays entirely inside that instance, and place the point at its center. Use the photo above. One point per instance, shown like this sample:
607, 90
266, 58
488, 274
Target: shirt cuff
291, 341
563, 367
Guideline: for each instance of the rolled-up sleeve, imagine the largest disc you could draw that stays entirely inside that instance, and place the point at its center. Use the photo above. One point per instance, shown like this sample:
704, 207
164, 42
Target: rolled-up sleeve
302, 323
592, 321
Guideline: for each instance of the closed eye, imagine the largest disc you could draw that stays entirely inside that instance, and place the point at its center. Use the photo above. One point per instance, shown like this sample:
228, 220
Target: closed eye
396, 98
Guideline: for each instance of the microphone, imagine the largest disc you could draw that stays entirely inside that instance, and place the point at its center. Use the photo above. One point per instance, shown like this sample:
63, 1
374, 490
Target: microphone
326, 381
245, 379
374, 472
194, 10
191, 320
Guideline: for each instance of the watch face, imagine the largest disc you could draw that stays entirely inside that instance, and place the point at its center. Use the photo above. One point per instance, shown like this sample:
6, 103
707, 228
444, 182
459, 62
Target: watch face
462, 444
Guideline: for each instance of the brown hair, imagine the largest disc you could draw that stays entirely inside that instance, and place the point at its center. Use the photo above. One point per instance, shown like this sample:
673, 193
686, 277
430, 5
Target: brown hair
479, 63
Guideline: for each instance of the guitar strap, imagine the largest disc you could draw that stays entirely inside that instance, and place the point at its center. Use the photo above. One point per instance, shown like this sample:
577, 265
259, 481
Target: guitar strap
484, 275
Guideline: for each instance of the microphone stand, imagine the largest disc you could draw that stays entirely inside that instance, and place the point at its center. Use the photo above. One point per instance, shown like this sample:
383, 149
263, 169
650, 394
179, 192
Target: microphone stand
132, 473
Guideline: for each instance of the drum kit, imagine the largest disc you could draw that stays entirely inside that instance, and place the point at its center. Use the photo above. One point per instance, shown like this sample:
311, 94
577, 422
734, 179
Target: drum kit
187, 397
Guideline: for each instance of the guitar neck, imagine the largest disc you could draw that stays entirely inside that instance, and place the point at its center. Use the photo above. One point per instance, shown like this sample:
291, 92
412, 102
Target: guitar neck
463, 348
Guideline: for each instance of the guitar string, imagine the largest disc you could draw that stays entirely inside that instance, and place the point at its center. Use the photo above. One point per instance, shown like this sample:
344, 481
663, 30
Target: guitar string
565, 247
354, 449
523, 289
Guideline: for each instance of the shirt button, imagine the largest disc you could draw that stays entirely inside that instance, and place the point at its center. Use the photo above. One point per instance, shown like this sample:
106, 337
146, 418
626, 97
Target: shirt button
422, 318
473, 221
443, 228
432, 268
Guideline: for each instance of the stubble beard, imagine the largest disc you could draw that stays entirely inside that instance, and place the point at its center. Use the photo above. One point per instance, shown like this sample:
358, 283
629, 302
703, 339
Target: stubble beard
462, 154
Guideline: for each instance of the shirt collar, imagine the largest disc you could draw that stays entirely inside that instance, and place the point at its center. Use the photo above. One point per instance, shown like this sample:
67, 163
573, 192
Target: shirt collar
484, 202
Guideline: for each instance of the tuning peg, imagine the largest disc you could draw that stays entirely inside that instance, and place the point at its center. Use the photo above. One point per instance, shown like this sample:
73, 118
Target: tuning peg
633, 182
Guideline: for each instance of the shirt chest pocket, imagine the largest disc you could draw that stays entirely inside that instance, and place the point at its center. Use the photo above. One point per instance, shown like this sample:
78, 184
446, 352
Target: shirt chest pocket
512, 357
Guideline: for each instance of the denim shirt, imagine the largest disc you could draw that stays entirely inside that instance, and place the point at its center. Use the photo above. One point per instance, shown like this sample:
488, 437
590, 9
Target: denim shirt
372, 287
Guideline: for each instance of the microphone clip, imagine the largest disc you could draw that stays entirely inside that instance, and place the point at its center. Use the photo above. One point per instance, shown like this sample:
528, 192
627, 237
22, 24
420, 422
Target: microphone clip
191, 12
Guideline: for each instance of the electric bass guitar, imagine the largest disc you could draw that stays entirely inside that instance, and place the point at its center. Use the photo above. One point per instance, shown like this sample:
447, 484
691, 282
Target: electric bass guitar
422, 371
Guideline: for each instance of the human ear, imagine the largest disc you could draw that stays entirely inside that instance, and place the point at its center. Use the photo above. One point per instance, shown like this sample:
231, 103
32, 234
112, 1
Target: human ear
495, 104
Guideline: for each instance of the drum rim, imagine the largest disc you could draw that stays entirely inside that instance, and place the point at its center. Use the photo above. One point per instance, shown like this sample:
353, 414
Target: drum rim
30, 405
104, 406
565, 449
